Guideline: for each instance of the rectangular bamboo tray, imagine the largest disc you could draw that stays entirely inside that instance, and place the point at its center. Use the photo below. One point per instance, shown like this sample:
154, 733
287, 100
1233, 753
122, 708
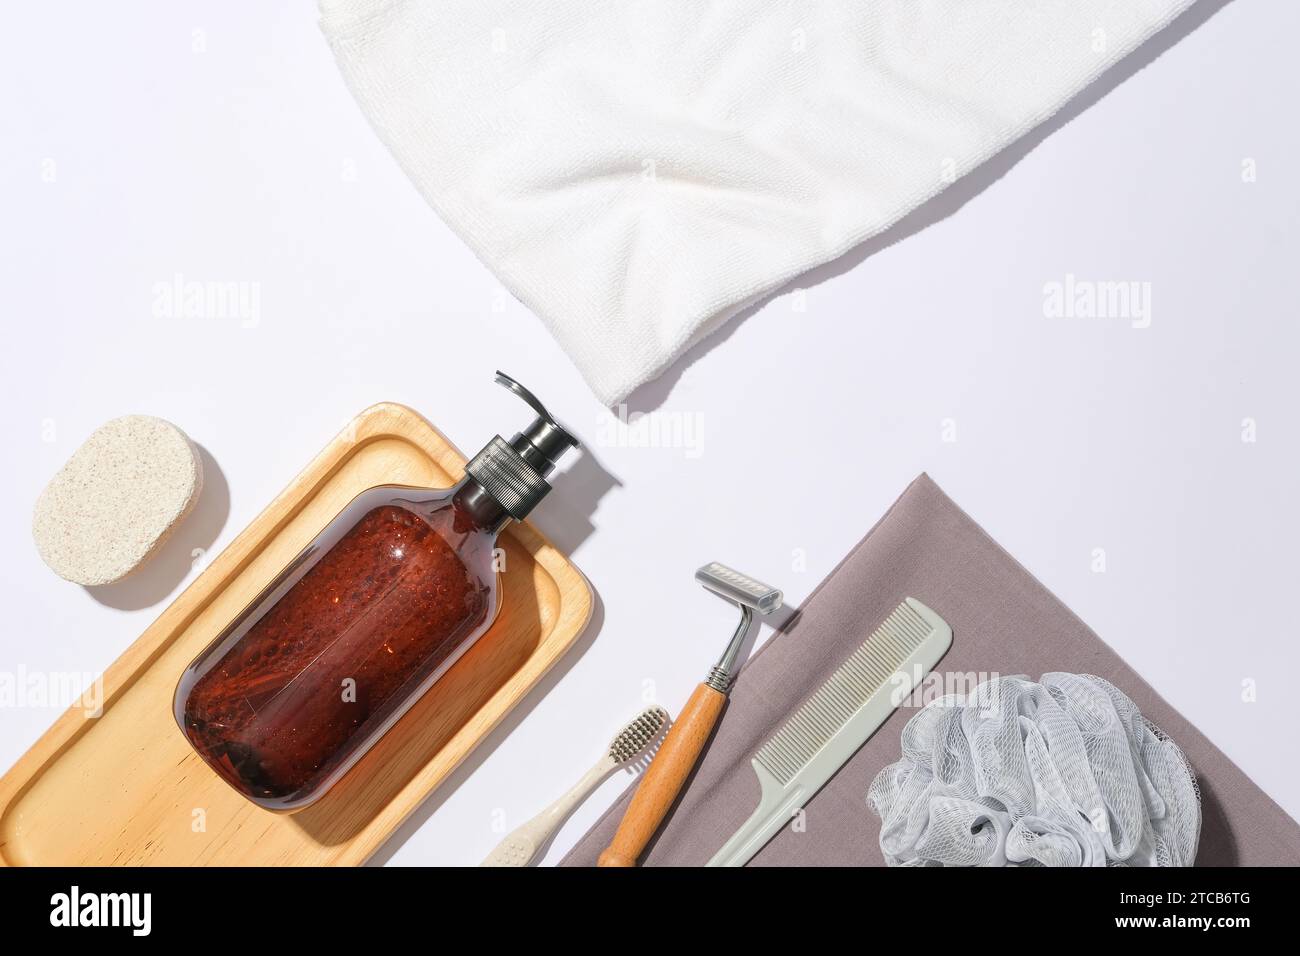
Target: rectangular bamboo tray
124, 788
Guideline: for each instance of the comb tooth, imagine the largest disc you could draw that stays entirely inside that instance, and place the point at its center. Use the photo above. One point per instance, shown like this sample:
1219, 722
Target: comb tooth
863, 671
895, 636
803, 737
863, 674
823, 718
920, 627
786, 751
904, 636
781, 752
790, 749
777, 761
768, 758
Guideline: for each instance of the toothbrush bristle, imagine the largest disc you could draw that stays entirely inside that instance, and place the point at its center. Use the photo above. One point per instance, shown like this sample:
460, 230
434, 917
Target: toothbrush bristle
867, 671
633, 739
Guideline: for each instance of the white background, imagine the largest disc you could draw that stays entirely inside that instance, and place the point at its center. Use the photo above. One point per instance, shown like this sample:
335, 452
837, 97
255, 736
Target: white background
217, 141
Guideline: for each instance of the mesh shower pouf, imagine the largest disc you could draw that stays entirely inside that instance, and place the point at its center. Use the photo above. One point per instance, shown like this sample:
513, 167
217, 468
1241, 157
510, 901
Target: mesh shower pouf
1064, 772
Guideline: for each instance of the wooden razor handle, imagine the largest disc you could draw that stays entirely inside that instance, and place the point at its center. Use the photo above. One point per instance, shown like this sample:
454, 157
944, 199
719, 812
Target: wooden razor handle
665, 777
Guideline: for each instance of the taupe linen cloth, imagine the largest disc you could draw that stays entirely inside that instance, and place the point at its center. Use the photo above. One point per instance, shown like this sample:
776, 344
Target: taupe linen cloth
1003, 620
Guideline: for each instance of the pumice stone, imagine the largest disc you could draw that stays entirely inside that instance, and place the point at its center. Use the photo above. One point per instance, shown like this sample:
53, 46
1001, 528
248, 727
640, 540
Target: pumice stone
117, 499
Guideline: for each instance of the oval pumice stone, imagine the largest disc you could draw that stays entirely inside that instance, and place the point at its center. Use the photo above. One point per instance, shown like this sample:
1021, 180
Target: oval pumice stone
117, 499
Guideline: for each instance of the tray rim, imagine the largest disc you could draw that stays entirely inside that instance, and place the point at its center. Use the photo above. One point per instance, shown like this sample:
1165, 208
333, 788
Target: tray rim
374, 423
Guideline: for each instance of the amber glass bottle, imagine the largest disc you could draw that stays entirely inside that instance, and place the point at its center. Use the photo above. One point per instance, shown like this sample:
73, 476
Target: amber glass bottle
360, 624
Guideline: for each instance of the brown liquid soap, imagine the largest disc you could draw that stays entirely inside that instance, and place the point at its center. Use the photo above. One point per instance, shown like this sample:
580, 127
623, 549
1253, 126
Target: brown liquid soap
360, 624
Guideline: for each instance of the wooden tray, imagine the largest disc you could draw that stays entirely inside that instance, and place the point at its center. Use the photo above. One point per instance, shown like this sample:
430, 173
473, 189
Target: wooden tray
125, 787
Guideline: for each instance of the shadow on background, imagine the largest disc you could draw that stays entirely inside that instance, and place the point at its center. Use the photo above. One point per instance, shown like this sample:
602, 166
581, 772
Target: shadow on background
1218, 847
566, 516
490, 743
653, 394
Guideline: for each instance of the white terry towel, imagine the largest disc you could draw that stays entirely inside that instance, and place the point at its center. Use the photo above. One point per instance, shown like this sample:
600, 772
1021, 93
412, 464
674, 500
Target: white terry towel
638, 172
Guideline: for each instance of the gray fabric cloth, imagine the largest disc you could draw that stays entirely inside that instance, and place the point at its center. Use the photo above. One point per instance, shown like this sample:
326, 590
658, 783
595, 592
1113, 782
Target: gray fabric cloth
1003, 621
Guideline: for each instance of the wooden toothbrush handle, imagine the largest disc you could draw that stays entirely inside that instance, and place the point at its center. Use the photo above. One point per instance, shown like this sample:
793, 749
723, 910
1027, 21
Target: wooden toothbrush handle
664, 778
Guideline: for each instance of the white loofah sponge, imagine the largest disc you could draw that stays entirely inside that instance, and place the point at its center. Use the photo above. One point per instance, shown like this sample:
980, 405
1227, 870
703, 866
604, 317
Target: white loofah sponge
1064, 772
117, 499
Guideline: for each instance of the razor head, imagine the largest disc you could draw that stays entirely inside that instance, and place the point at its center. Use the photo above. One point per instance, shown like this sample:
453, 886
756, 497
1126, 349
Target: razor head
739, 588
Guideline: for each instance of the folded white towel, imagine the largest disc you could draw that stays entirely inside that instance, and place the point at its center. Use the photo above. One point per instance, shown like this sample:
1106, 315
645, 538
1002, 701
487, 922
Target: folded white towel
636, 173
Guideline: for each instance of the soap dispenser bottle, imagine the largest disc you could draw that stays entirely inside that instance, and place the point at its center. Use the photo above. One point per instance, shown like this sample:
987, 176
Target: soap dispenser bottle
361, 623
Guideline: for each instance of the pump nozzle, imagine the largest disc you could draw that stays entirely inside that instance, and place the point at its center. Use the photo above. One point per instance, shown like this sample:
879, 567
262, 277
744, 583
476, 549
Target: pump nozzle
513, 473
543, 442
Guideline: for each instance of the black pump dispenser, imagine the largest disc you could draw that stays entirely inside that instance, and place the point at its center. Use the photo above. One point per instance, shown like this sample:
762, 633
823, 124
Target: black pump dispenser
513, 473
